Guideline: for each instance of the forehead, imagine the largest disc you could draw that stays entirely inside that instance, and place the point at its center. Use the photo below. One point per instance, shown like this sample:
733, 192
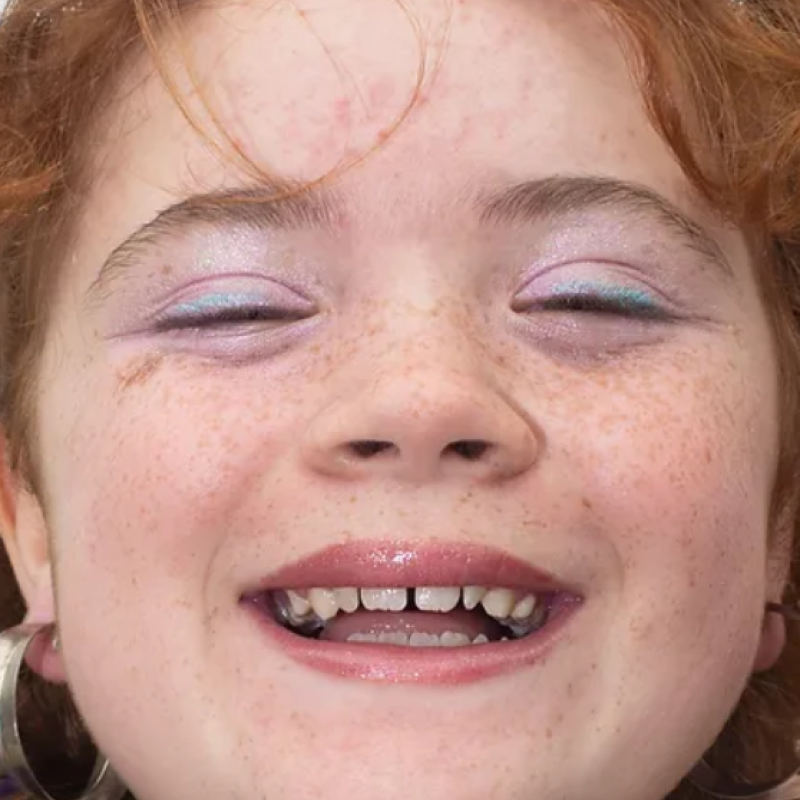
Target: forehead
441, 97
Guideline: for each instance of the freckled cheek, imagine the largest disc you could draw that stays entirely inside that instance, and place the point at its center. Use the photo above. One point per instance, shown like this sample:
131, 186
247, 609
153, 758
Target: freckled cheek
174, 473
685, 483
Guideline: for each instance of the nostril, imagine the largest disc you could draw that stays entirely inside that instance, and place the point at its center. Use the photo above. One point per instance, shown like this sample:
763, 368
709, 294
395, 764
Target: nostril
367, 448
470, 449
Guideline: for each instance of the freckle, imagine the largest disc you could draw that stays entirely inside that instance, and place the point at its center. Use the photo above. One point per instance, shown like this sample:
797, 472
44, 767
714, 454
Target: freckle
140, 372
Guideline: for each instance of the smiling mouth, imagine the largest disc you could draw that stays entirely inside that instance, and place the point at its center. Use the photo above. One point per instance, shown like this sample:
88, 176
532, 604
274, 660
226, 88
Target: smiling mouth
413, 613
411, 617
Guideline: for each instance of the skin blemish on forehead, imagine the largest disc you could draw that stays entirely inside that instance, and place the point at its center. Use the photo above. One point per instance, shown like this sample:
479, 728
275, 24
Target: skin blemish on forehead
342, 111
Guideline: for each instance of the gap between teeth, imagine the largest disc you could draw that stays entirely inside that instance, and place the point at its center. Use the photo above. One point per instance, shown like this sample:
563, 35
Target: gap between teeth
501, 604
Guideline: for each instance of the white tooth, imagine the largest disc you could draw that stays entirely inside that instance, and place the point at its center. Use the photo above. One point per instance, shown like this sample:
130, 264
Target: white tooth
524, 608
346, 599
398, 599
480, 639
472, 596
383, 599
372, 638
299, 603
451, 639
441, 599
423, 640
393, 637
324, 603
498, 603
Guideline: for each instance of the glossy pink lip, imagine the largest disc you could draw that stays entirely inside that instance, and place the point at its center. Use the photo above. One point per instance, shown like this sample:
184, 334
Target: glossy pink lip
381, 565
384, 565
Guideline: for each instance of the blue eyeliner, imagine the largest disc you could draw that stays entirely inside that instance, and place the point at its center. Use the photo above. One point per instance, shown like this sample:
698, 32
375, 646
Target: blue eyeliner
208, 304
624, 297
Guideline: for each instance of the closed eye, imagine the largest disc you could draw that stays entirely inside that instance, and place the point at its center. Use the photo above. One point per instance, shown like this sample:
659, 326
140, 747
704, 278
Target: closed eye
178, 320
620, 306
232, 309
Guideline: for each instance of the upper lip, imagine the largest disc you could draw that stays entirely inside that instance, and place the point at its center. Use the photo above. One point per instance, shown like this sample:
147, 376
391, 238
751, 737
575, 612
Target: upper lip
384, 564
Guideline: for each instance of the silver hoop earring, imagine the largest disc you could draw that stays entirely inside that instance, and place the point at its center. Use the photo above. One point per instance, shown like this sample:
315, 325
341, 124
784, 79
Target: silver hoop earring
714, 784
104, 783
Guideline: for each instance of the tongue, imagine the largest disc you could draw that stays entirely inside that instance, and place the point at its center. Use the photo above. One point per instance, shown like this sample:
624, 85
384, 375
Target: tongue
470, 623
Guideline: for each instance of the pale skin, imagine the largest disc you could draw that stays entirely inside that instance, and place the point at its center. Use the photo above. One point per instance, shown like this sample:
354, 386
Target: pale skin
634, 455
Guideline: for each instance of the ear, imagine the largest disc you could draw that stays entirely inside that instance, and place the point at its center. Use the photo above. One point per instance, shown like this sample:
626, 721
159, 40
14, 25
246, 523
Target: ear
25, 536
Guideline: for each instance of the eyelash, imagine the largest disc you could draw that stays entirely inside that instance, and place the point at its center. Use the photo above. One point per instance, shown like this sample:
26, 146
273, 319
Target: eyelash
235, 315
592, 303
591, 300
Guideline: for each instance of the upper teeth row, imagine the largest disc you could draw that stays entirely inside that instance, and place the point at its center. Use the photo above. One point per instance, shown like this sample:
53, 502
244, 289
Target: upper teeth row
326, 603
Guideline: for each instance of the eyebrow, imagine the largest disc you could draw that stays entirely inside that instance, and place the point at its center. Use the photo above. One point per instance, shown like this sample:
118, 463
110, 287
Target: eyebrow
272, 205
562, 196
277, 205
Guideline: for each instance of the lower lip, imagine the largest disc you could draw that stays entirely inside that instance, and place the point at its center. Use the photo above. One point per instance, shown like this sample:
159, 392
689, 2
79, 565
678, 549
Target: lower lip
421, 665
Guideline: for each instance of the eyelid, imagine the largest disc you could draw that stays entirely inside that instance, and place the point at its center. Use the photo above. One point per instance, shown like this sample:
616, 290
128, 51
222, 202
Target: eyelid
597, 279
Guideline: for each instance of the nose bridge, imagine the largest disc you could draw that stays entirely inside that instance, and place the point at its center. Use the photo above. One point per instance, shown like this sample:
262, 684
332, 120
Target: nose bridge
428, 346
419, 297
427, 327
429, 407
427, 362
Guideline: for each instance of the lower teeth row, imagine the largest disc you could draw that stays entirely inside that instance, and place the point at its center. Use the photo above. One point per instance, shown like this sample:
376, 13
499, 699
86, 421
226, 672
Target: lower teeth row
416, 639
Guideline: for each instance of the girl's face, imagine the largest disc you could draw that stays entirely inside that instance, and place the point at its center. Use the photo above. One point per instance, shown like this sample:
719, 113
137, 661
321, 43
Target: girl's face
508, 349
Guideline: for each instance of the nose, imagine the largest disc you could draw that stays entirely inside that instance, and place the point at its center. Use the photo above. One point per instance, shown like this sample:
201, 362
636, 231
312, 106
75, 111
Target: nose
424, 427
